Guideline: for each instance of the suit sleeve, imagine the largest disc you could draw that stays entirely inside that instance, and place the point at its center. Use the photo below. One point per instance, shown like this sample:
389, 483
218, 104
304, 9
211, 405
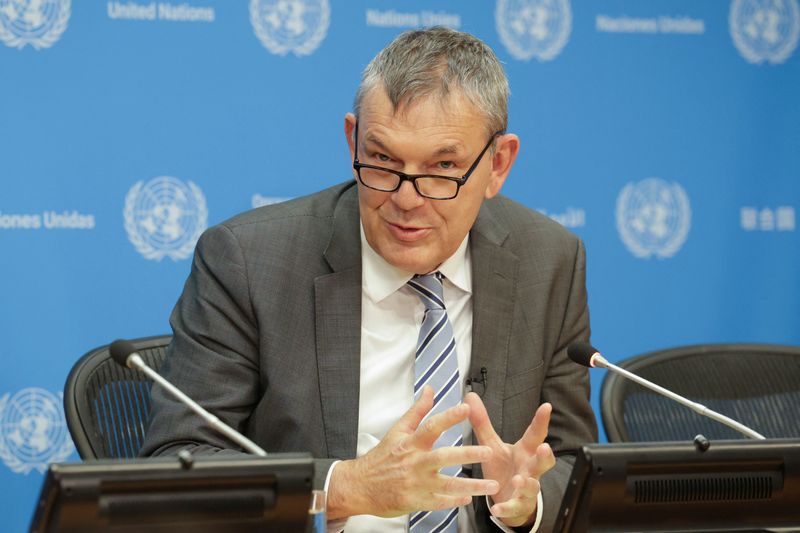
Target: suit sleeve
566, 387
213, 357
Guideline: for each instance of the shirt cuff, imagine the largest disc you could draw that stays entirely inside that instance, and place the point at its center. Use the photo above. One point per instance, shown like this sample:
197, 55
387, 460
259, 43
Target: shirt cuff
334, 526
506, 529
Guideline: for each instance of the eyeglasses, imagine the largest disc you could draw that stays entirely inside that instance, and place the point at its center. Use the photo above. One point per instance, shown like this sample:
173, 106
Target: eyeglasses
431, 186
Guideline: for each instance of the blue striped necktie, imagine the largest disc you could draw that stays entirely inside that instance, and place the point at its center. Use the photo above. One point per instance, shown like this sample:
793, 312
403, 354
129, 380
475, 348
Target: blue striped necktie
436, 365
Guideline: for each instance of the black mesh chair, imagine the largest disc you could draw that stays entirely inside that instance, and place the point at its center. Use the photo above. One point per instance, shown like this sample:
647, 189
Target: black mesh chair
106, 405
755, 384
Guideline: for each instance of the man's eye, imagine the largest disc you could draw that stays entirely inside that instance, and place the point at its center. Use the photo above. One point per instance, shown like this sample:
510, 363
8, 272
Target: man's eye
446, 165
382, 157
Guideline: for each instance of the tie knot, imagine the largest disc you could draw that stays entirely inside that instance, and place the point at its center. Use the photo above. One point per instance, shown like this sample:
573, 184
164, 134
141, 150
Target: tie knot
429, 289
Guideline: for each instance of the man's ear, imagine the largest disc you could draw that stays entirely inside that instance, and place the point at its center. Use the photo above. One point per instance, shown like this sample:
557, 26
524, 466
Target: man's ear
505, 153
349, 131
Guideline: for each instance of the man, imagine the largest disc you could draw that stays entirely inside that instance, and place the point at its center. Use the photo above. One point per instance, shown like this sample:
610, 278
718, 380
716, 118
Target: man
303, 324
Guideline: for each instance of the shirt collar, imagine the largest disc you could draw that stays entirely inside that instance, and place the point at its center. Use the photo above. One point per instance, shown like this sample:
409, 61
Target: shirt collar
380, 279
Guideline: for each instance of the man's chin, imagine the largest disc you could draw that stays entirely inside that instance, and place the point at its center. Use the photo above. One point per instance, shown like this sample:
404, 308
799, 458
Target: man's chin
410, 260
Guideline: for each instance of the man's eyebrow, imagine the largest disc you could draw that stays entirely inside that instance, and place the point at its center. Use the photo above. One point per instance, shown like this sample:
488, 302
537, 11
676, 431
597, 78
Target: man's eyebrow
376, 140
444, 150
449, 149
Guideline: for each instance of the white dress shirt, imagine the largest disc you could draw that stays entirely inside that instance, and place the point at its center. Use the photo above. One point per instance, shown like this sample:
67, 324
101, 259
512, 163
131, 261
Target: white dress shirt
389, 335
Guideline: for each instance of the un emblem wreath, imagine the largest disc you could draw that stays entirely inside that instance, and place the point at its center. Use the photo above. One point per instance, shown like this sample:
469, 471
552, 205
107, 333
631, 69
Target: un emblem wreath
33, 431
297, 27
38, 24
765, 31
653, 218
165, 217
533, 28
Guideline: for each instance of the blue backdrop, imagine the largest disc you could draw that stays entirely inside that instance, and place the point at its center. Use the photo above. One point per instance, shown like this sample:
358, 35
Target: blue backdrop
665, 133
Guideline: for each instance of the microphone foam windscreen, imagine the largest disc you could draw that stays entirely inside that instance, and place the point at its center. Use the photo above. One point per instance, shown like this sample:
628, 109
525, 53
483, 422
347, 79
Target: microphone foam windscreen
581, 353
120, 350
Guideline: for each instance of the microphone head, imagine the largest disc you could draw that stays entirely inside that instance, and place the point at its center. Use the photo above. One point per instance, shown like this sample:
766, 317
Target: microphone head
582, 352
120, 350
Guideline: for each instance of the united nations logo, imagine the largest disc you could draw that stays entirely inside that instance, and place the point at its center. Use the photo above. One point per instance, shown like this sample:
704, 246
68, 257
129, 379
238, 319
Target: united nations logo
285, 26
165, 217
765, 31
33, 432
533, 28
653, 217
38, 23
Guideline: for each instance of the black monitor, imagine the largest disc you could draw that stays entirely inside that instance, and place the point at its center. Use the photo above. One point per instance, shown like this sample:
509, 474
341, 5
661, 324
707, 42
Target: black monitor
733, 485
199, 495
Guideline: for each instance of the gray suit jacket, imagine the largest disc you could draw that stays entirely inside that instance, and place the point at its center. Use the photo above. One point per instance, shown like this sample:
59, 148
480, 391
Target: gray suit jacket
267, 333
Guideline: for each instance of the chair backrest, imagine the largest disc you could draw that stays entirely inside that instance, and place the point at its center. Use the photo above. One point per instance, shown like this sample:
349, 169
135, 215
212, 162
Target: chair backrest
755, 384
107, 406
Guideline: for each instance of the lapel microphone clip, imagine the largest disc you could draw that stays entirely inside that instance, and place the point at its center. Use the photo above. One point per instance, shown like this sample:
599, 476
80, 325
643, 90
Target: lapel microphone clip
481, 380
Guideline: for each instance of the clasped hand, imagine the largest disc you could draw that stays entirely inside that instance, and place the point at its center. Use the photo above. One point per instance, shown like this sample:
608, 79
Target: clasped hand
401, 474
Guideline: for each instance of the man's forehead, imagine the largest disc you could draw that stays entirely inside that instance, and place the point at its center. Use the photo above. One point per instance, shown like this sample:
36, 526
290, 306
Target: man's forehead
453, 108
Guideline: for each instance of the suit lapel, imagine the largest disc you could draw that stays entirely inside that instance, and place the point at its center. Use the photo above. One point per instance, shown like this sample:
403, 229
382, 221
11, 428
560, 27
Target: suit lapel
338, 329
494, 274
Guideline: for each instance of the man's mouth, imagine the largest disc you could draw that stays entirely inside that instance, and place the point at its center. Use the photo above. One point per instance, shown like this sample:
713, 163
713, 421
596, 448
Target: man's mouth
408, 233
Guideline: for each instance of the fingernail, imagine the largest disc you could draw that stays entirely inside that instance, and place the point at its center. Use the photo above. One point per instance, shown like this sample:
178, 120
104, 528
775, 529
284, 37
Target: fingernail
492, 487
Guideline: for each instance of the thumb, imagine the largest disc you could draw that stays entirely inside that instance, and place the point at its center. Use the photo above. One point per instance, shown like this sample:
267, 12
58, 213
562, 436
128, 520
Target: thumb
411, 419
479, 419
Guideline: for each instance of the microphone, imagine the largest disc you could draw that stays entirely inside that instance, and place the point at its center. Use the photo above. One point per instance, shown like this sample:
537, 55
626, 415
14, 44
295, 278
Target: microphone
482, 380
587, 355
124, 353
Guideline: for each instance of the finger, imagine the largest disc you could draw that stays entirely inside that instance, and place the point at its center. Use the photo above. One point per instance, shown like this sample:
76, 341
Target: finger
536, 432
545, 452
453, 491
456, 455
479, 419
430, 430
525, 487
464, 486
435, 502
542, 461
521, 506
515, 511
411, 419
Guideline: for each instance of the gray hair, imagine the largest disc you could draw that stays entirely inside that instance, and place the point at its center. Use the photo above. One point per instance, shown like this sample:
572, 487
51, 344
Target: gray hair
434, 62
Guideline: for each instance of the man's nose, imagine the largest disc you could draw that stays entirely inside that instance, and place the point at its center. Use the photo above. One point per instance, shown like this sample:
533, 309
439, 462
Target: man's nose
407, 197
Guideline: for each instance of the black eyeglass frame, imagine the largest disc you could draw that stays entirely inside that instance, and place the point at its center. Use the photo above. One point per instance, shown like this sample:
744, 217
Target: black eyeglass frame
414, 177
